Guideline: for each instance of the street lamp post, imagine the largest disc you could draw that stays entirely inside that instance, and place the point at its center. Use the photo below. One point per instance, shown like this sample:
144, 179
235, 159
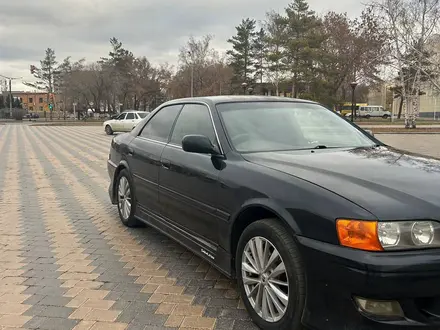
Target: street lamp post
353, 101
10, 98
244, 85
74, 110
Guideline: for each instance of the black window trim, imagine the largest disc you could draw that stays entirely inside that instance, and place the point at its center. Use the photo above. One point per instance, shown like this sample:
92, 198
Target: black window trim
174, 124
212, 122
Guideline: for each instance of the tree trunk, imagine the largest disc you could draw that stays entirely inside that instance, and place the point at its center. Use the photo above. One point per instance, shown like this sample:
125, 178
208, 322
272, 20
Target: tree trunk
399, 115
408, 106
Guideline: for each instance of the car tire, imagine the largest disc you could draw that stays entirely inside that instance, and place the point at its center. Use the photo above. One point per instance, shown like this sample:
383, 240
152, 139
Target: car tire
272, 231
108, 130
367, 116
385, 116
125, 193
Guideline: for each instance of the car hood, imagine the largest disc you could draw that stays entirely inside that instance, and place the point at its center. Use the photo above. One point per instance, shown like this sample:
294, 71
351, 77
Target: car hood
389, 183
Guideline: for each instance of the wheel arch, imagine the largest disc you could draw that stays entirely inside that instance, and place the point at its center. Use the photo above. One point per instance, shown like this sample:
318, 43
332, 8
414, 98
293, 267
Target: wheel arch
255, 210
123, 164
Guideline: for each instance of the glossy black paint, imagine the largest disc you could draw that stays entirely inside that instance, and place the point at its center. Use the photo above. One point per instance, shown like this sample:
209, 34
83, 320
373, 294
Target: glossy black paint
144, 160
205, 201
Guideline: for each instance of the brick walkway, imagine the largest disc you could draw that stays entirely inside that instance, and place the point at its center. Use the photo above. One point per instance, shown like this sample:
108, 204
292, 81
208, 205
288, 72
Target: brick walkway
426, 144
66, 262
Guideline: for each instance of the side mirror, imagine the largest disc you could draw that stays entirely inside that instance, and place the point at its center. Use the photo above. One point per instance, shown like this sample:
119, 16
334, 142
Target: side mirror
199, 144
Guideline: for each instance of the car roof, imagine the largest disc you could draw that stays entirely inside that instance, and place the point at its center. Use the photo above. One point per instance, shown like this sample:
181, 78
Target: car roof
212, 100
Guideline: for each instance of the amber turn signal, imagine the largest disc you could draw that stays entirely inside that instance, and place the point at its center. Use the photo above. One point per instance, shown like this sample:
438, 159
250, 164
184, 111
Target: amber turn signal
358, 234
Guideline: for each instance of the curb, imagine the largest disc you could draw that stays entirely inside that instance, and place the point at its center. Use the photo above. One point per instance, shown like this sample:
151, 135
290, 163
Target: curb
407, 133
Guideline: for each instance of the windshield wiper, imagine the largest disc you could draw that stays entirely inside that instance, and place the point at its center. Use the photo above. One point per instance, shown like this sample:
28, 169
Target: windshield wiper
319, 146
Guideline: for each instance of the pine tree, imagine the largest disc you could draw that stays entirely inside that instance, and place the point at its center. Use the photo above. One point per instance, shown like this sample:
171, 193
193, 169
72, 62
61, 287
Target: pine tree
17, 103
121, 63
241, 55
259, 48
275, 27
120, 57
303, 41
47, 74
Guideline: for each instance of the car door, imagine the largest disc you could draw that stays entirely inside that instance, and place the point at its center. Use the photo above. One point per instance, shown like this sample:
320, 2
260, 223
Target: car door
129, 121
137, 118
144, 157
376, 112
118, 123
188, 182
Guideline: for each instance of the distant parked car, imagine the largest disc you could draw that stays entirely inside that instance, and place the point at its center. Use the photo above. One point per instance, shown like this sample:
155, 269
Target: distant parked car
371, 111
124, 122
31, 115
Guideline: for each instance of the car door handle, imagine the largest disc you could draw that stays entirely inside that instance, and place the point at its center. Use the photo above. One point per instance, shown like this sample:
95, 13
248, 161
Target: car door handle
130, 151
166, 164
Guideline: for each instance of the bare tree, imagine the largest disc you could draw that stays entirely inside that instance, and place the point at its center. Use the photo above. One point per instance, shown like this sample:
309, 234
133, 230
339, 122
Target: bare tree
354, 50
201, 66
411, 24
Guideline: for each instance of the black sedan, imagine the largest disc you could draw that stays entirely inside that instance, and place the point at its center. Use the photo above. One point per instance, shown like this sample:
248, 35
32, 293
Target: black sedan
321, 224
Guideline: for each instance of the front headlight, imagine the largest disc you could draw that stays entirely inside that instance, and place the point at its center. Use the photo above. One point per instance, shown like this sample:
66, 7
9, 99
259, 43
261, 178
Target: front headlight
391, 235
422, 233
388, 233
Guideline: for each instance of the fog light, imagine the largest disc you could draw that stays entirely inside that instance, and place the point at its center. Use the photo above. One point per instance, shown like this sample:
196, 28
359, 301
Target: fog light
379, 307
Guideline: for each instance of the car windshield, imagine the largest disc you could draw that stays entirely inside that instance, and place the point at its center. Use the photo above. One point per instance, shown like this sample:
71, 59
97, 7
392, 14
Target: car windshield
142, 114
278, 126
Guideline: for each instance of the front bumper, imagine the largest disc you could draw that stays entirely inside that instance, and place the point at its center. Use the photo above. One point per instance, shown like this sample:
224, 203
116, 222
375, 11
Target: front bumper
336, 274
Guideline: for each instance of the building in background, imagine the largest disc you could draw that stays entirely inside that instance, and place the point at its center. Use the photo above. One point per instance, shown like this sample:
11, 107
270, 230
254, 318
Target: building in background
429, 102
31, 101
381, 95
429, 105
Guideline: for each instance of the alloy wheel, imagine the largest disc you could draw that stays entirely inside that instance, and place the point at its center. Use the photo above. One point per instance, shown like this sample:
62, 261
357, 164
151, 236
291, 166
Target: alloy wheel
265, 279
124, 197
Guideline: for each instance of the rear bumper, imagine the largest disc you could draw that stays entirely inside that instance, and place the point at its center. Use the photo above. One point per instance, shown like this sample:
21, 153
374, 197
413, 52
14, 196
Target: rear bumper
111, 169
336, 274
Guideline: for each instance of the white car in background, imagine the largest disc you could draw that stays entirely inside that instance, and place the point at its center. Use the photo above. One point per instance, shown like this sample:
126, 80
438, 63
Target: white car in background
125, 122
371, 111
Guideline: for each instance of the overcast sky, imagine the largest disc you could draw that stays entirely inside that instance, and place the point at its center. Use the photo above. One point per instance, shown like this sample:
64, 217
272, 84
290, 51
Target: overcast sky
152, 28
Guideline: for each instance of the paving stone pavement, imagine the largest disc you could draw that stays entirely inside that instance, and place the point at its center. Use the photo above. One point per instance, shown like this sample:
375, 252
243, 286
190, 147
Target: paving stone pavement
66, 261
426, 144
